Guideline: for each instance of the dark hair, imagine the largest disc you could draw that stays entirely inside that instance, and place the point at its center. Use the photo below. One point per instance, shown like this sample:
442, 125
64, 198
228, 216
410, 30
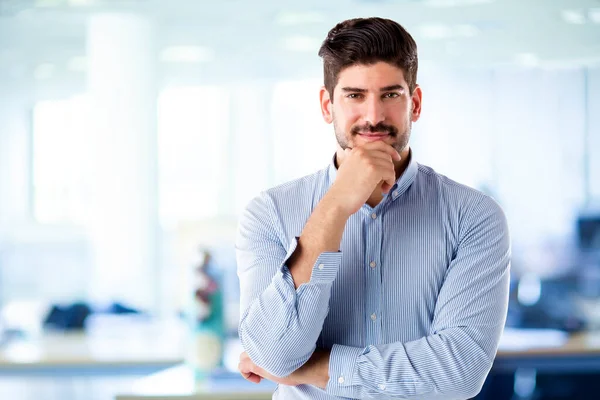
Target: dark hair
368, 41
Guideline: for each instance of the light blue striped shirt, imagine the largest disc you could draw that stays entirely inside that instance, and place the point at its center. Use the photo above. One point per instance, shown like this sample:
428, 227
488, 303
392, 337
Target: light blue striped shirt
412, 306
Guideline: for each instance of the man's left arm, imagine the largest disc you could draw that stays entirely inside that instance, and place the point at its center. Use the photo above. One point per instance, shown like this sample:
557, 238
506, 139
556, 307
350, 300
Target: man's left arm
454, 360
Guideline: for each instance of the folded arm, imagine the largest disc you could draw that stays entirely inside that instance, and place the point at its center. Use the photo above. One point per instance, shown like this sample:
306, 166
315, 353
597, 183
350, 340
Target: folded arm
454, 359
285, 290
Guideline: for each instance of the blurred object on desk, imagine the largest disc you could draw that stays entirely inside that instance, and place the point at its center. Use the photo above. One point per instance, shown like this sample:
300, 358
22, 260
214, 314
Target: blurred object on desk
70, 317
217, 236
588, 238
210, 295
74, 316
589, 307
32, 317
588, 231
545, 304
205, 316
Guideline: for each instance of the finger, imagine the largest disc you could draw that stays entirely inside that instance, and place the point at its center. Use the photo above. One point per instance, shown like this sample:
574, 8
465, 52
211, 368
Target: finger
388, 182
384, 166
252, 377
380, 155
386, 187
385, 147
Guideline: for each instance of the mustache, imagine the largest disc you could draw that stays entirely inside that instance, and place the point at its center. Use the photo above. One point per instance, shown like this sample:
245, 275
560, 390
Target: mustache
379, 128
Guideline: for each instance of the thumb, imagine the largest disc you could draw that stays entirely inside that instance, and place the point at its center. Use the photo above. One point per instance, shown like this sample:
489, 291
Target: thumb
385, 187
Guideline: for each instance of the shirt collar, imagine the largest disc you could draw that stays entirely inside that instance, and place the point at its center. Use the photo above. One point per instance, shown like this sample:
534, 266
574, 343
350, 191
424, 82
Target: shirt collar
403, 182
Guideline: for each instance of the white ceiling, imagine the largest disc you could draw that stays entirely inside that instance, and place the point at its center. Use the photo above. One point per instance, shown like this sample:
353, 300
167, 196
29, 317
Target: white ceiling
283, 36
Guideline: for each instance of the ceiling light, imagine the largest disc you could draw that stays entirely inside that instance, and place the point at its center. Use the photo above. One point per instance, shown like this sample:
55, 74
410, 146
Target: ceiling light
440, 31
48, 3
44, 71
573, 16
187, 54
435, 31
77, 64
527, 59
81, 3
594, 15
455, 3
301, 43
299, 18
464, 30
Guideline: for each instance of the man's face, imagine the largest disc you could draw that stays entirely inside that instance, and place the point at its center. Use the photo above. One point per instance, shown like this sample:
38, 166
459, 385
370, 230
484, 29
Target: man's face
372, 102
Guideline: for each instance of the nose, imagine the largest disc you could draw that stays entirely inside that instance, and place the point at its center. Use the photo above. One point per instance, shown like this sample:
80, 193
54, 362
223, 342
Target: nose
374, 112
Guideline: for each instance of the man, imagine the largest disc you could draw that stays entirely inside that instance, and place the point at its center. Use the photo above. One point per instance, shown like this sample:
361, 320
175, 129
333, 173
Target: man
376, 277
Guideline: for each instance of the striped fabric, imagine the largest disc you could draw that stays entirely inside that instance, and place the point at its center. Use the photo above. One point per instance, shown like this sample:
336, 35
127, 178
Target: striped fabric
412, 306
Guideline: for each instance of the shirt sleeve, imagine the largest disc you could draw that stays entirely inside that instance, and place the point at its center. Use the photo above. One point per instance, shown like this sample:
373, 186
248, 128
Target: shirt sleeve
454, 360
279, 325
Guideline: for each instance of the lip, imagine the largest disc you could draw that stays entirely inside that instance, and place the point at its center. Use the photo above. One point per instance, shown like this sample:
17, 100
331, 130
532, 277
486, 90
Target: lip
373, 138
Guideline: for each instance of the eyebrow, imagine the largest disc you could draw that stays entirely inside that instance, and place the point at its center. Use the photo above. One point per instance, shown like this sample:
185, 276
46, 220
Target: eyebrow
383, 89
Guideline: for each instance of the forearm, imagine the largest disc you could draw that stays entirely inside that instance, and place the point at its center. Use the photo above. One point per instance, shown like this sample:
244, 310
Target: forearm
280, 328
281, 322
449, 365
322, 233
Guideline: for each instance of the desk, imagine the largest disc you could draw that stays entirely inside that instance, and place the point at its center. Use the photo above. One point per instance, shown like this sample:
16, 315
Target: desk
178, 383
92, 366
119, 349
544, 350
557, 352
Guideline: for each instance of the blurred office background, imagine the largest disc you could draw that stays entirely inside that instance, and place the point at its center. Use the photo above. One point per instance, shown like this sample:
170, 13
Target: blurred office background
133, 133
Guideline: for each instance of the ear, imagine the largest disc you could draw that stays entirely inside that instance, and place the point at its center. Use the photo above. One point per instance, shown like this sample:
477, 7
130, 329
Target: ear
417, 101
326, 105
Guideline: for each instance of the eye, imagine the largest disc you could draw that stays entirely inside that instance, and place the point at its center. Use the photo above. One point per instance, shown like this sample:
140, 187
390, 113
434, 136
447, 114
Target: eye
354, 96
391, 95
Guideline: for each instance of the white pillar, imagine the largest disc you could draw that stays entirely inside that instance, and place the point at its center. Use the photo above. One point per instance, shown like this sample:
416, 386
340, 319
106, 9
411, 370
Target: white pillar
15, 165
123, 224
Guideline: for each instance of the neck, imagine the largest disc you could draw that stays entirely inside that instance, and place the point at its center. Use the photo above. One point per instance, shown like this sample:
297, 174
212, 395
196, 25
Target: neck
400, 166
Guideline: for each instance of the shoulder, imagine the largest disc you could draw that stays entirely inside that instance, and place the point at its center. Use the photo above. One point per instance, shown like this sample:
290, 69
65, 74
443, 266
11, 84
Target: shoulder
470, 205
287, 199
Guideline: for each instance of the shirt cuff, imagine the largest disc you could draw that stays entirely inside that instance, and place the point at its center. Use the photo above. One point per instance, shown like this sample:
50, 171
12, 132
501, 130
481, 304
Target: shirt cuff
325, 268
342, 364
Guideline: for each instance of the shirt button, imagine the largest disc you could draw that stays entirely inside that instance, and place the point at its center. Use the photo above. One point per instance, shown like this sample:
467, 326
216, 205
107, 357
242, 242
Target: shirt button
373, 215
372, 264
381, 386
396, 193
373, 316
341, 379
321, 266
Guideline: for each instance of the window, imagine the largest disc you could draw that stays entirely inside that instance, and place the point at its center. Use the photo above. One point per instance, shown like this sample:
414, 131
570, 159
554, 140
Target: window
60, 161
303, 143
193, 132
